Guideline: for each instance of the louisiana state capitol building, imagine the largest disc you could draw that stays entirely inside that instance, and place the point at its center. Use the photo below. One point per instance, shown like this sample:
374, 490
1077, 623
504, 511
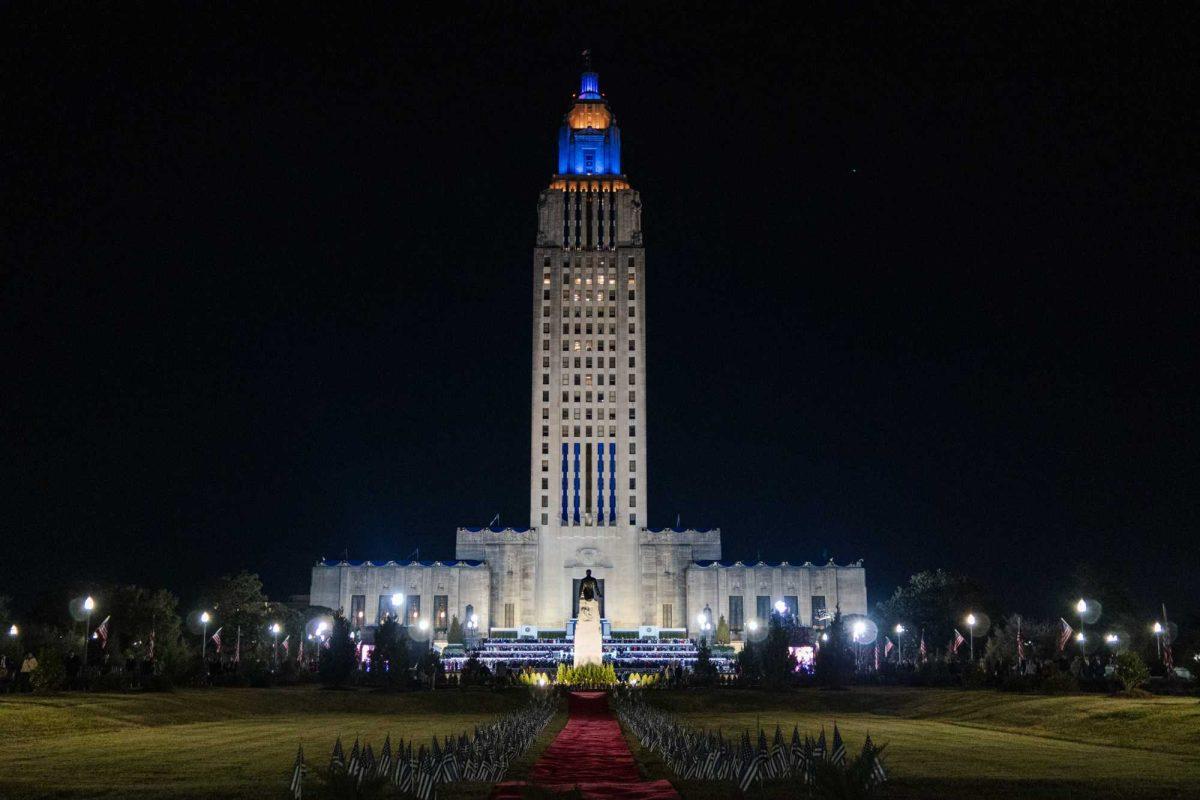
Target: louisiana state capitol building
589, 447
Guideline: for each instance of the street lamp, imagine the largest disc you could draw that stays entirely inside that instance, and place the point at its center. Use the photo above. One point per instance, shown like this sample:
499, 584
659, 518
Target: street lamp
397, 601
858, 630
89, 605
204, 620
275, 647
1081, 608
899, 649
14, 631
971, 629
1158, 632
1112, 639
780, 606
752, 625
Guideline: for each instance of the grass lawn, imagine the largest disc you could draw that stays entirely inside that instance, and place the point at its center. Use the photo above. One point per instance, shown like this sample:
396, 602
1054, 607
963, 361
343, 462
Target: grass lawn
978, 745
220, 743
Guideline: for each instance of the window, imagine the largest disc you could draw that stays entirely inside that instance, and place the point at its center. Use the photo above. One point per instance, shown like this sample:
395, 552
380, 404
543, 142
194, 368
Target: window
632, 448
510, 615
545, 431
545, 483
632, 377
632, 501
545, 448
762, 608
632, 484
632, 363
545, 294
668, 619
545, 311
793, 604
633, 519
545, 413
735, 612
545, 378
545, 397
358, 610
441, 612
413, 604
546, 327
545, 362
545, 466
631, 344
633, 413
632, 396
545, 344
545, 499
385, 608
631, 328
631, 293
565, 430
819, 615
633, 466
545, 519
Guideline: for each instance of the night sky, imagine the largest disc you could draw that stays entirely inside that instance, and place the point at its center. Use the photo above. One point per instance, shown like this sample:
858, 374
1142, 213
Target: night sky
922, 290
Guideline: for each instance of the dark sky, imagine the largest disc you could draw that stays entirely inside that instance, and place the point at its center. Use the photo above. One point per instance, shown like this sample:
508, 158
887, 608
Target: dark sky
922, 289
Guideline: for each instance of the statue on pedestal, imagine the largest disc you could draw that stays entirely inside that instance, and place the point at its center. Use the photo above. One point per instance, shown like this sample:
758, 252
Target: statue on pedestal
588, 643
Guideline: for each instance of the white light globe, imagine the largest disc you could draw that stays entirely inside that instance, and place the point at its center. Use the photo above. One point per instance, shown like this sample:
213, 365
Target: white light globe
780, 606
89, 604
398, 599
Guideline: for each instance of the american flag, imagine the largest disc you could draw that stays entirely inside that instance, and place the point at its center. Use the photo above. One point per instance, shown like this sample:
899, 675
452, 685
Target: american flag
921, 651
285, 643
298, 772
887, 646
1065, 635
1020, 643
102, 632
958, 640
150, 649
1168, 657
878, 773
337, 761
877, 656
838, 754
216, 637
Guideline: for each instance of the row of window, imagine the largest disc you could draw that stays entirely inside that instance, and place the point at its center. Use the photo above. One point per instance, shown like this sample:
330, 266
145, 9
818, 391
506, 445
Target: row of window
578, 310
599, 396
567, 431
632, 521
588, 295
546, 451
586, 381
567, 413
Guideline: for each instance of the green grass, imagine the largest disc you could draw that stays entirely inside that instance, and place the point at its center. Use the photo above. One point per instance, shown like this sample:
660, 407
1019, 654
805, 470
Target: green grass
239, 743
977, 745
220, 743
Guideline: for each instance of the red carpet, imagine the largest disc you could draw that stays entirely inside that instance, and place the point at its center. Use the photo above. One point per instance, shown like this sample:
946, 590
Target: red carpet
589, 754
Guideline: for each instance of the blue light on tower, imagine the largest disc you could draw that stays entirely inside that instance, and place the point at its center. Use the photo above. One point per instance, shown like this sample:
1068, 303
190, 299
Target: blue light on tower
589, 142
589, 86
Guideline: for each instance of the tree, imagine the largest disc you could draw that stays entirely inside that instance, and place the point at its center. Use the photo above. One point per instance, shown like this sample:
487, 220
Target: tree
704, 671
389, 660
934, 602
835, 660
749, 663
137, 612
239, 604
1040, 637
337, 658
722, 630
778, 660
1131, 670
455, 635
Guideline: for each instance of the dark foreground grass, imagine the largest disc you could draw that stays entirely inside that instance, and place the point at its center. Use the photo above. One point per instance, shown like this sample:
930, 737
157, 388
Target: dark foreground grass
220, 743
978, 745
239, 743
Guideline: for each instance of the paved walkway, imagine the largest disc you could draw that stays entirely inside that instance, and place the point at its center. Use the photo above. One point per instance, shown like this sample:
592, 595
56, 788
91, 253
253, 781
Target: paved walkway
589, 754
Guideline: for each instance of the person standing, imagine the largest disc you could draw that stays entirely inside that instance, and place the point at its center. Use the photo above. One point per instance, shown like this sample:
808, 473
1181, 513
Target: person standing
27, 667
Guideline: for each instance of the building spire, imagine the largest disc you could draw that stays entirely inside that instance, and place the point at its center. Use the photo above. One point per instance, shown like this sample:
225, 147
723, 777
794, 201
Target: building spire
587, 60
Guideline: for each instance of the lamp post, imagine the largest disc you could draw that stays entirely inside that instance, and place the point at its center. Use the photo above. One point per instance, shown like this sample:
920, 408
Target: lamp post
423, 626
1158, 632
14, 631
89, 605
204, 620
859, 629
971, 631
1081, 608
397, 602
275, 647
899, 647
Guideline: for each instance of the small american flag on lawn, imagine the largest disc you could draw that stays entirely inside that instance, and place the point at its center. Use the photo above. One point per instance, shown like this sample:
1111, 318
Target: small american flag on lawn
298, 772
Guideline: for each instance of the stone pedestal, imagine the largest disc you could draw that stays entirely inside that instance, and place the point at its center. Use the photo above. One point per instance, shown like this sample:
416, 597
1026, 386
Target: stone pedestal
589, 647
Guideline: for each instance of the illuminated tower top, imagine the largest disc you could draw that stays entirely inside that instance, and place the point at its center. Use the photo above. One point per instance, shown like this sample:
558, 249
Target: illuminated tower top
589, 141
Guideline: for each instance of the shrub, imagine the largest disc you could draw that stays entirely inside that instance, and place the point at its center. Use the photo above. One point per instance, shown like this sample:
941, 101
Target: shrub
1059, 683
587, 675
530, 678
50, 674
337, 657
642, 680
1131, 670
474, 672
455, 634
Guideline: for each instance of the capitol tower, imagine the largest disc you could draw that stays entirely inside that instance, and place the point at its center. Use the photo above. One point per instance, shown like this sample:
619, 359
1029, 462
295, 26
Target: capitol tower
587, 455
588, 443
